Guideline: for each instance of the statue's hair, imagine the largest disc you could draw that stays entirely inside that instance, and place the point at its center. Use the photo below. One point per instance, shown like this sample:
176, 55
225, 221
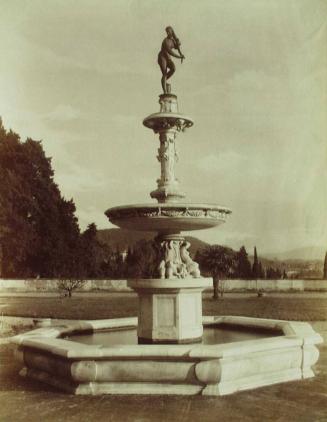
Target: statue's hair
173, 32
177, 42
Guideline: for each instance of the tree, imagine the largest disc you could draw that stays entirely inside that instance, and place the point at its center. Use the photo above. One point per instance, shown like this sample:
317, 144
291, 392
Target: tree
62, 247
219, 262
17, 232
261, 271
80, 262
143, 260
105, 264
243, 264
39, 231
273, 273
94, 253
325, 267
255, 266
69, 285
73, 270
118, 267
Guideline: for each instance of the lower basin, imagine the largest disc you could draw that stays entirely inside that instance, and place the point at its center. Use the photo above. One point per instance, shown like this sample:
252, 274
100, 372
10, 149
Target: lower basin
238, 353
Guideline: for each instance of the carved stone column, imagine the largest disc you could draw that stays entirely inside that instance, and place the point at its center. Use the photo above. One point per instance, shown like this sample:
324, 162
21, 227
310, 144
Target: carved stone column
167, 123
167, 156
168, 185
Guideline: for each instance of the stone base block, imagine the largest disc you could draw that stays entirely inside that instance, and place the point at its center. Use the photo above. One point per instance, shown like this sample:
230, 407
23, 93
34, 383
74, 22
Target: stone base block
170, 311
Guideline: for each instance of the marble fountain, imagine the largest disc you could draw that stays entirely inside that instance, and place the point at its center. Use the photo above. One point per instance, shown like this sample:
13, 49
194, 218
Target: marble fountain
170, 348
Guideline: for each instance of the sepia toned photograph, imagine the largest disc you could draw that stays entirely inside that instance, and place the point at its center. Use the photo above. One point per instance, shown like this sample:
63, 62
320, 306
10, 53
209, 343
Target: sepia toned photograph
163, 210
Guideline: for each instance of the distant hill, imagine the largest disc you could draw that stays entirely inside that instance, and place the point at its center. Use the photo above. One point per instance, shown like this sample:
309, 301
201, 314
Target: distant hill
122, 239
306, 262
309, 254
302, 265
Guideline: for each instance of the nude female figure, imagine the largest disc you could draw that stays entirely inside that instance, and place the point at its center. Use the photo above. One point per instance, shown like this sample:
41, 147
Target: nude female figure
165, 62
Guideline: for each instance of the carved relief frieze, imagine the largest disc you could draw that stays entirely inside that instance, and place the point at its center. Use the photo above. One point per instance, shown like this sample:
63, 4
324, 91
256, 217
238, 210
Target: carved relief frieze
194, 213
167, 123
213, 213
183, 212
172, 213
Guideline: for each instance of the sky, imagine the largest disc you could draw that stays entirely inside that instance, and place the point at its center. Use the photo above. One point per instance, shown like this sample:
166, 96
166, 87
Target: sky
81, 77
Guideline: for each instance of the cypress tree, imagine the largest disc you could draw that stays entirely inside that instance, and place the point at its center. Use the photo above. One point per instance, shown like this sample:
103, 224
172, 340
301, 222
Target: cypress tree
255, 267
243, 264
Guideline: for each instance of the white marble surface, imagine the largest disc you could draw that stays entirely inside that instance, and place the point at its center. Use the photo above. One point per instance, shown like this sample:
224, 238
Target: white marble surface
168, 369
170, 310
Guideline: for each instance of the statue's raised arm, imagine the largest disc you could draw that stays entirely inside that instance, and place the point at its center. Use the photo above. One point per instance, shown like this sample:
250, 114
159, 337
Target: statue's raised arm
167, 66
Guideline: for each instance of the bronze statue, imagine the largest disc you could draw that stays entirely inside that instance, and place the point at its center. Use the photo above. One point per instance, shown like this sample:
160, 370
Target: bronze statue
165, 62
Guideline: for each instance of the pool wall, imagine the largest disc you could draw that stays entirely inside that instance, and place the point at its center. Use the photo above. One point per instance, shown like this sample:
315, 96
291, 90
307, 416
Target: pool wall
167, 369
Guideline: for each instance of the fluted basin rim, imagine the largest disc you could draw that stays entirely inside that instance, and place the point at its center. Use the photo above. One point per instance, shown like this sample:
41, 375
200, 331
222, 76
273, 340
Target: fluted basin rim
167, 218
148, 121
172, 205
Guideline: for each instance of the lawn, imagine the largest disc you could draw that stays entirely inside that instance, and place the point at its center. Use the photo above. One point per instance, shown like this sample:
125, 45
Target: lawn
294, 307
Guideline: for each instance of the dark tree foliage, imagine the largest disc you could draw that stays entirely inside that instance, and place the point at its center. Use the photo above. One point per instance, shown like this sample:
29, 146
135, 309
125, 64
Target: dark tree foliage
217, 261
325, 268
16, 232
255, 266
261, 271
257, 269
139, 261
110, 263
142, 261
273, 273
243, 264
94, 254
39, 233
129, 262
117, 265
85, 262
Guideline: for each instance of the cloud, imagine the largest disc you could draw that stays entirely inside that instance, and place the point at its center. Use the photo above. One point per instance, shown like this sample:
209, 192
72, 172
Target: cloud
74, 179
92, 214
63, 113
223, 161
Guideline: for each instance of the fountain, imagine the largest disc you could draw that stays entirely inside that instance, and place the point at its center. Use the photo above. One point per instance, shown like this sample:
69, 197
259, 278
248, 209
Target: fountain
164, 351
170, 306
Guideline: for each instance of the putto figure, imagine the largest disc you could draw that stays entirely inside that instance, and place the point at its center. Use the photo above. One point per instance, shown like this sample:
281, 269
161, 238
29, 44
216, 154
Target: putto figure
165, 62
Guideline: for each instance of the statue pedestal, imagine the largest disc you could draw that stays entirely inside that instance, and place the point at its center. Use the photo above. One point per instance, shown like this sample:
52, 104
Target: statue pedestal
170, 310
167, 123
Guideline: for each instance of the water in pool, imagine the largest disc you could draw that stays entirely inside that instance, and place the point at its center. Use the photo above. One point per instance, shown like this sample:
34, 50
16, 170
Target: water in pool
211, 335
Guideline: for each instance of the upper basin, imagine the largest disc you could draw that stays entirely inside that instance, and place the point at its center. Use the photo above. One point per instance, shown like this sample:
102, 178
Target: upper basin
157, 121
168, 218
